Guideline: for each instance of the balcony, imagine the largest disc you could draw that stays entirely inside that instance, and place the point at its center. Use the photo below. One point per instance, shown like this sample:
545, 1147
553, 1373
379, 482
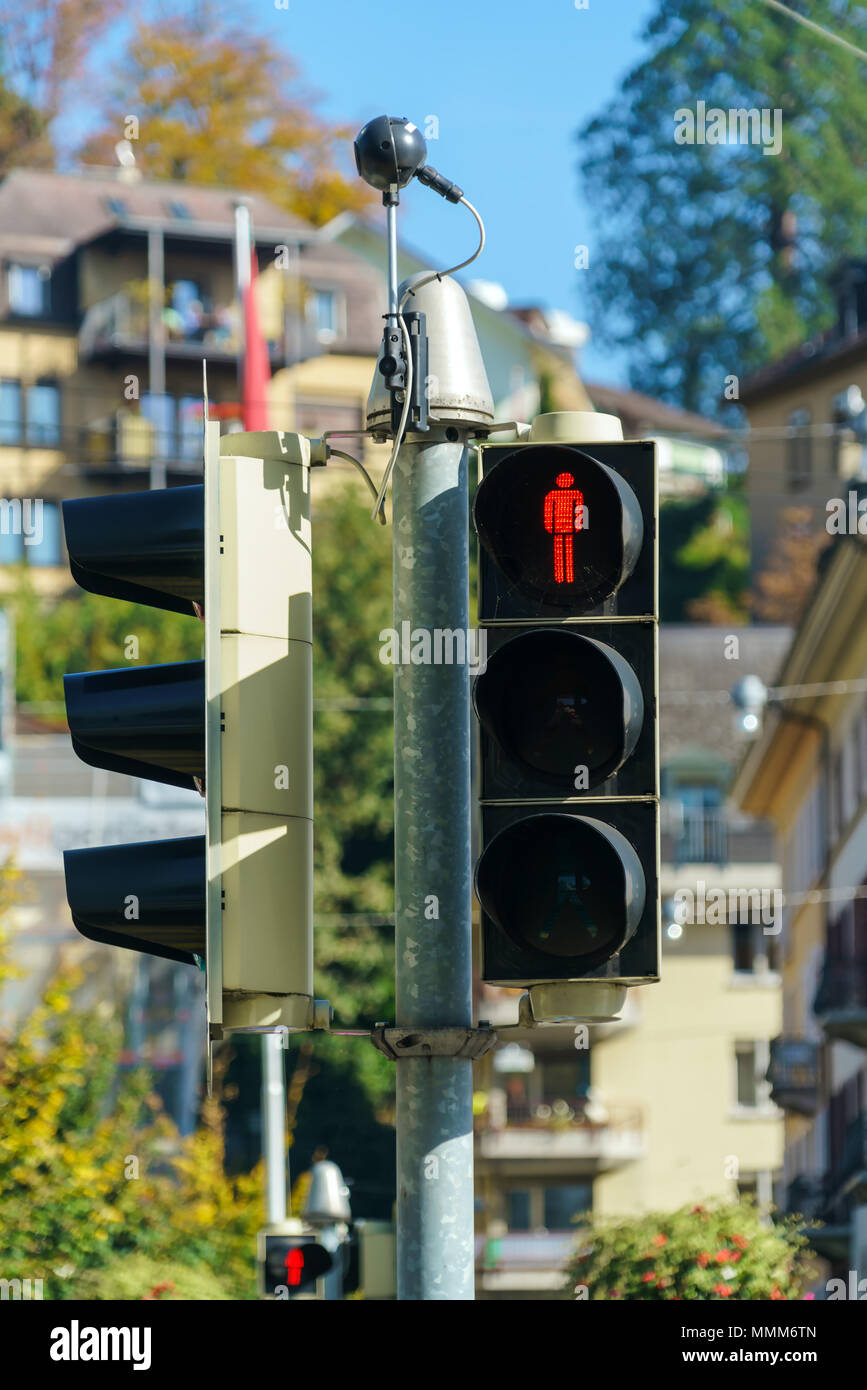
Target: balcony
795, 1074
530, 1263
849, 1176
131, 441
534, 1140
841, 999
121, 324
707, 836
827, 1229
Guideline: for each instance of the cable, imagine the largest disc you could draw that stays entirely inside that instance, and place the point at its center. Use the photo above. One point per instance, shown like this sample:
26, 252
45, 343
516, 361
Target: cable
339, 454
425, 280
817, 28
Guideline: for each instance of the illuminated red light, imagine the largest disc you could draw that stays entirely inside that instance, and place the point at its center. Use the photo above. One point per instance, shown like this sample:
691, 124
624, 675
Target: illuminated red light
563, 516
294, 1266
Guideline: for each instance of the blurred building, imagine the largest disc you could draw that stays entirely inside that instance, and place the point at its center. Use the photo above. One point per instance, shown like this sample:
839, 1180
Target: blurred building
692, 451
670, 1104
113, 289
807, 420
807, 771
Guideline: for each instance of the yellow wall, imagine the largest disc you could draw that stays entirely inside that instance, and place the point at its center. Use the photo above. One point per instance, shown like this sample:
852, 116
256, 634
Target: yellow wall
767, 477
678, 1064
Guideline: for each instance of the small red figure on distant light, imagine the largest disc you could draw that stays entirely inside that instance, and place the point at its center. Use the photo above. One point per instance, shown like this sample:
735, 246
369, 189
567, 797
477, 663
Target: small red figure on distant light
294, 1266
564, 515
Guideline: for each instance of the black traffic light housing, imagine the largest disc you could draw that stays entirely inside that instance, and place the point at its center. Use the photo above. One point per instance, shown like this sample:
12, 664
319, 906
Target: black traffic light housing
291, 1264
568, 769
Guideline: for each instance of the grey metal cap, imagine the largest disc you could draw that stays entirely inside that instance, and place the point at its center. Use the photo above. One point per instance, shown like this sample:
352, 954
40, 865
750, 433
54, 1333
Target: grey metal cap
328, 1198
458, 389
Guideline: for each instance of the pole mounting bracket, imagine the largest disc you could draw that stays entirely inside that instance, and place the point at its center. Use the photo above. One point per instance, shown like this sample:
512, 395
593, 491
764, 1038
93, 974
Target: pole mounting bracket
400, 1043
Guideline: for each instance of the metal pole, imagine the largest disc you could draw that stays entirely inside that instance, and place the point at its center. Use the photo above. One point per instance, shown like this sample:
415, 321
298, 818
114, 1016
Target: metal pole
391, 232
157, 350
432, 876
274, 1125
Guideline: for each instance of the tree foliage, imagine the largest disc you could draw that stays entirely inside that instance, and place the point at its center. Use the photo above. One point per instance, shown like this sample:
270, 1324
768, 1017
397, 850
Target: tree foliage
94, 1175
784, 586
704, 559
219, 104
713, 258
712, 1252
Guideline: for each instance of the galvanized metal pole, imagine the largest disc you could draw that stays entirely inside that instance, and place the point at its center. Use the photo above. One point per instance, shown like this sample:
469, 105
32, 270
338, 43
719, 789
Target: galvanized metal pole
432, 873
274, 1127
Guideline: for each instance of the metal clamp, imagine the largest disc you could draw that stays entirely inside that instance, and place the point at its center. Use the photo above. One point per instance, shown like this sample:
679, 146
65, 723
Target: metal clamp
398, 1043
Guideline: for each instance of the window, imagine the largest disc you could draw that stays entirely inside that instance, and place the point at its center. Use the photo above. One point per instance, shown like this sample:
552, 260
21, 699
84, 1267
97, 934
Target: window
43, 414
753, 952
315, 417
30, 530
563, 1204
190, 429
10, 412
46, 548
160, 412
179, 210
751, 1063
324, 312
28, 290
117, 206
799, 455
519, 1211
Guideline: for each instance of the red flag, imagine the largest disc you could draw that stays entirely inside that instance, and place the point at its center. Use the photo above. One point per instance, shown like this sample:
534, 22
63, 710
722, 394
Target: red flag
257, 372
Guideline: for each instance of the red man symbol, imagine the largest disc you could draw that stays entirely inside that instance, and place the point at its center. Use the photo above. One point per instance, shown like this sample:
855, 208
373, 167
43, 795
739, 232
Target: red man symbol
294, 1266
564, 515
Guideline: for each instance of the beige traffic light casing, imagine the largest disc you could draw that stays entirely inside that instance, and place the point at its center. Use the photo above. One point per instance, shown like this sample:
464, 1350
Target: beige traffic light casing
259, 731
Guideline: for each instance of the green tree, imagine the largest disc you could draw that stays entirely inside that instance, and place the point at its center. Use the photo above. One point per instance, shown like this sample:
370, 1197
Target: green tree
97, 1188
704, 559
219, 104
713, 258
88, 632
712, 1252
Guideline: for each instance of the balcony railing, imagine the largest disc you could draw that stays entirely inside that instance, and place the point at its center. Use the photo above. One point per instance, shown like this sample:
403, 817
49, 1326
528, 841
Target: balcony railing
590, 1135
795, 1074
122, 323
841, 999
850, 1171
707, 836
128, 440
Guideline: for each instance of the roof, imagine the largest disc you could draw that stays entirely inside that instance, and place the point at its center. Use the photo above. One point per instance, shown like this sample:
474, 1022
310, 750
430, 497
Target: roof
692, 658
821, 354
44, 213
649, 413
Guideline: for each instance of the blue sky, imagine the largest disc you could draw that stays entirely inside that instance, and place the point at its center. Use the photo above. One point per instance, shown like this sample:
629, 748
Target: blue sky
510, 83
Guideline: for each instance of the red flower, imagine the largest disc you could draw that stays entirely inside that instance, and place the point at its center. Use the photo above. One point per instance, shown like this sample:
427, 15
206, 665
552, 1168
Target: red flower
660, 1239
722, 1256
615, 1293
703, 1258
724, 1291
776, 1295
697, 1210
735, 1256
740, 1241
649, 1276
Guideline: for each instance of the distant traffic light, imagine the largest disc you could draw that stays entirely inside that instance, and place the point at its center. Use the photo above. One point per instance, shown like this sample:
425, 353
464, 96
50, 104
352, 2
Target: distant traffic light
236, 726
568, 874
291, 1264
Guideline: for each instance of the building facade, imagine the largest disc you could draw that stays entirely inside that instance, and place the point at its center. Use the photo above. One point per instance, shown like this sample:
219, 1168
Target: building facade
807, 771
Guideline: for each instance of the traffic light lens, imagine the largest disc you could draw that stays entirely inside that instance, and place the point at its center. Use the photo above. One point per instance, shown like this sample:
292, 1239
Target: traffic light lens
557, 702
563, 528
562, 886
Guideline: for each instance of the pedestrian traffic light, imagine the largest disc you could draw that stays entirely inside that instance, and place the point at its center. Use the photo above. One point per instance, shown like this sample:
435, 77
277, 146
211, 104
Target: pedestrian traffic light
236, 726
291, 1264
567, 878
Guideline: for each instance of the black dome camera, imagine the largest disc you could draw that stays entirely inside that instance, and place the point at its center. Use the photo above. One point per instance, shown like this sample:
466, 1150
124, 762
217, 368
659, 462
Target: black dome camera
388, 151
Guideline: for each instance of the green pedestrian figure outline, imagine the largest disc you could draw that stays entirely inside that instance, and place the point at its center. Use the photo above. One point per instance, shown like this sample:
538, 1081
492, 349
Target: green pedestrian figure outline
568, 896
